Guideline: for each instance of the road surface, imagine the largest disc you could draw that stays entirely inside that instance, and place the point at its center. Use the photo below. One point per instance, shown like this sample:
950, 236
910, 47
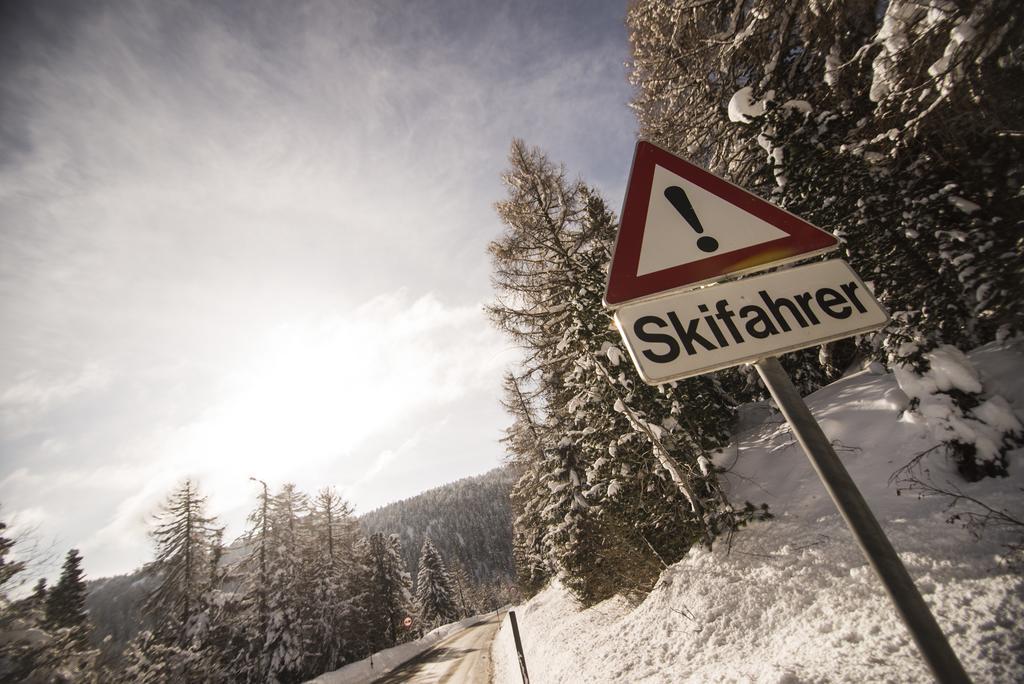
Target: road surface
462, 658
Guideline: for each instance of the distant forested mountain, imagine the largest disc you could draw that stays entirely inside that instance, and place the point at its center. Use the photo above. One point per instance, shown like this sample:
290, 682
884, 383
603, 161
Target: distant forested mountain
469, 522
114, 605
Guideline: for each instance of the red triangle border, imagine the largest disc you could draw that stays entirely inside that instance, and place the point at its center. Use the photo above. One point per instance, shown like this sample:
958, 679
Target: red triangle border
804, 240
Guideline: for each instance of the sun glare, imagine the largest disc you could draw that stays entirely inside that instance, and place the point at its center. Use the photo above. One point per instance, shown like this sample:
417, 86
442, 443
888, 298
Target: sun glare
306, 397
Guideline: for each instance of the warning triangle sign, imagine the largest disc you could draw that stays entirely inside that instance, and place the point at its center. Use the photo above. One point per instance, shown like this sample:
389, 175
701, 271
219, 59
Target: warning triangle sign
682, 226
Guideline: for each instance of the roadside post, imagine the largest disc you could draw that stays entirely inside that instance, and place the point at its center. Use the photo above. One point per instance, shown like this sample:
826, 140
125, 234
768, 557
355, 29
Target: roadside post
519, 647
685, 235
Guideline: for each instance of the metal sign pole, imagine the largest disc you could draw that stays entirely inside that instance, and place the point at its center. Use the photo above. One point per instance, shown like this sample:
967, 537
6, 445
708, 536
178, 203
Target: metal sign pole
873, 542
519, 647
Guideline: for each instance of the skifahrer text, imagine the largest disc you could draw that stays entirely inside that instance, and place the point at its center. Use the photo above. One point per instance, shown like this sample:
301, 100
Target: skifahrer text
722, 325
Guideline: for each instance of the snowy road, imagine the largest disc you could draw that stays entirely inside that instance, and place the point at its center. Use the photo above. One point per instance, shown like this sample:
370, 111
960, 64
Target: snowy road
462, 658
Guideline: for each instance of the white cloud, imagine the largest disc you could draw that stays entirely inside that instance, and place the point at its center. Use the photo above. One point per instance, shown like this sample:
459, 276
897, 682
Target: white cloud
31, 395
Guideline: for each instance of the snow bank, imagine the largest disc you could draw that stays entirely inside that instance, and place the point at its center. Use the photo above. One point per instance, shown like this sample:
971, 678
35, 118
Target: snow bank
794, 600
387, 660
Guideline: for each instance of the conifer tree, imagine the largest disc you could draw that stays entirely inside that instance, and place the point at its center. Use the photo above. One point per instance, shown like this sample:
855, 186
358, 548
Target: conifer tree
65, 605
525, 445
336, 613
464, 589
31, 648
390, 600
610, 478
284, 648
186, 641
8, 568
39, 592
151, 659
247, 612
266, 633
187, 541
435, 593
18, 657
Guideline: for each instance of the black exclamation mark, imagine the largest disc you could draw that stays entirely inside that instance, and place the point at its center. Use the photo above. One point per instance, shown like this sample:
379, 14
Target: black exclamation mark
681, 202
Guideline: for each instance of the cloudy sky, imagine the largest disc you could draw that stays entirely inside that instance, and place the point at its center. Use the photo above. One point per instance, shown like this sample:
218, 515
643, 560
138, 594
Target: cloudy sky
249, 239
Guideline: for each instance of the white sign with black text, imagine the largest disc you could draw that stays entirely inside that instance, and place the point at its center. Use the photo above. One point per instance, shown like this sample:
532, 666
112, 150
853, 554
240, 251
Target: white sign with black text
698, 331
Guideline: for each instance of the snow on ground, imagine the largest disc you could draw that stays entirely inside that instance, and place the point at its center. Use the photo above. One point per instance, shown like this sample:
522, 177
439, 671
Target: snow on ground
794, 600
387, 660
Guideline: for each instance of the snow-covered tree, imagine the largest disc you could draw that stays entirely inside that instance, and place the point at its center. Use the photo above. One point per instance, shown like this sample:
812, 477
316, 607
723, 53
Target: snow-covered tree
891, 125
464, 589
610, 478
151, 659
246, 612
183, 607
524, 446
435, 592
390, 600
287, 591
186, 540
336, 608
